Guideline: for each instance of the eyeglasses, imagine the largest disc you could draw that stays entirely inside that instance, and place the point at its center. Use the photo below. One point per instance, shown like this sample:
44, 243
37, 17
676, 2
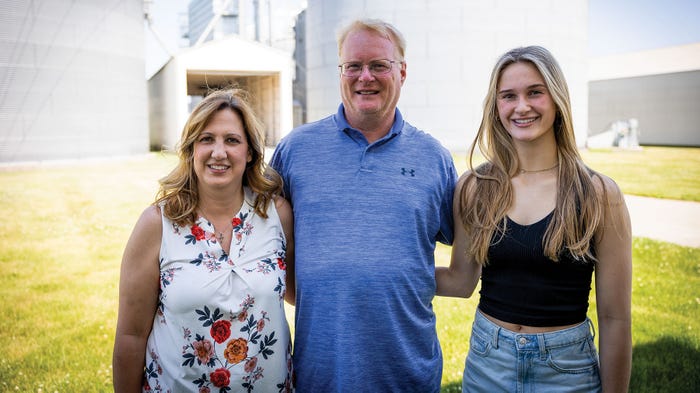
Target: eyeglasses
376, 67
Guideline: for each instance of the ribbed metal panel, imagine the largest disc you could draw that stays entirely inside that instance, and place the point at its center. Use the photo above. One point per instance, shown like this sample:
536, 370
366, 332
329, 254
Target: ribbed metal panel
665, 106
72, 81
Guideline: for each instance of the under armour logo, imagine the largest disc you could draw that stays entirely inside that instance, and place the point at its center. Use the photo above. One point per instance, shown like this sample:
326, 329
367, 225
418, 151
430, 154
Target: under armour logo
411, 172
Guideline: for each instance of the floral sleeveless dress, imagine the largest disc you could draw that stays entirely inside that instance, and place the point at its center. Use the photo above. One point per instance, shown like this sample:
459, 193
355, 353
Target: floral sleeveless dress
220, 324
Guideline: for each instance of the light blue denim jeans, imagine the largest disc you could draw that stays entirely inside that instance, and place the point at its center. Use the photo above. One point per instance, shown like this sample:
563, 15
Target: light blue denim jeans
500, 360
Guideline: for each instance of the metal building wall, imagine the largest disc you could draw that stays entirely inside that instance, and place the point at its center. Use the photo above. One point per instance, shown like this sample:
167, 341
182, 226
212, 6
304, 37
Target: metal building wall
451, 48
199, 13
665, 105
72, 81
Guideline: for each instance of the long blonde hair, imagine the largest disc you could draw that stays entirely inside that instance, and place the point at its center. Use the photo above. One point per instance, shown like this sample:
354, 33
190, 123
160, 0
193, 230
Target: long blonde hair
487, 193
178, 190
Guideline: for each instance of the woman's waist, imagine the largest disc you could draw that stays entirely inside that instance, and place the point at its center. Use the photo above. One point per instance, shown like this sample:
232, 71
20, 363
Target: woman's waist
532, 337
516, 328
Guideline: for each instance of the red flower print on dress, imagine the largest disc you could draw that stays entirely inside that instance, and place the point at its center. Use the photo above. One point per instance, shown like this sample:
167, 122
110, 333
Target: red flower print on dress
241, 354
281, 264
235, 221
220, 377
236, 350
220, 331
198, 232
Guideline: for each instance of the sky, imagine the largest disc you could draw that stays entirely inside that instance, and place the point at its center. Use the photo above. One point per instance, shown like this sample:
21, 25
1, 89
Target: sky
614, 26
621, 26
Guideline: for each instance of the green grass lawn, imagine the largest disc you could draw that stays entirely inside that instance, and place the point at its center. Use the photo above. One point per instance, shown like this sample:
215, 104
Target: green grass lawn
659, 172
67, 226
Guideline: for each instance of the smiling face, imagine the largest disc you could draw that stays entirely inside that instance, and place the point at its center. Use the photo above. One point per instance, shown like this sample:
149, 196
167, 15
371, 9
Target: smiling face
221, 151
367, 96
525, 106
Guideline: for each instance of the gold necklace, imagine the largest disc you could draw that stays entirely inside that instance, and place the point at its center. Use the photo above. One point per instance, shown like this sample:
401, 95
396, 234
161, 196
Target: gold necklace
539, 170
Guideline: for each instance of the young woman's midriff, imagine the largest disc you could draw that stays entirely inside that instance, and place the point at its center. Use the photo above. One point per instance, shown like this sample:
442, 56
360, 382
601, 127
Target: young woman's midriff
513, 327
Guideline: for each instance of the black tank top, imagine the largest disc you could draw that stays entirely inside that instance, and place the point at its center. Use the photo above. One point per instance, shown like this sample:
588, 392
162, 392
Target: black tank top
520, 285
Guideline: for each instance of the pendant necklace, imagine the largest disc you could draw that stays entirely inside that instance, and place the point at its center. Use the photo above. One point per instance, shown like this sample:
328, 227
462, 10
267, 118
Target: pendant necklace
219, 235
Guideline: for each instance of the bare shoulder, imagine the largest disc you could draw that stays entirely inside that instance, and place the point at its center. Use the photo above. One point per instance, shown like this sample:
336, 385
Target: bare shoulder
151, 218
145, 241
282, 204
148, 228
607, 187
284, 210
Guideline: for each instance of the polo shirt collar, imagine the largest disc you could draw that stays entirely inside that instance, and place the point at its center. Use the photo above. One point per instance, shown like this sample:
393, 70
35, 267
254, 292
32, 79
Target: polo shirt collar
343, 125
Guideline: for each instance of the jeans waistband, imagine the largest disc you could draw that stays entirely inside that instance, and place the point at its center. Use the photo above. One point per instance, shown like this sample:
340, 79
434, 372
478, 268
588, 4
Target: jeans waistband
533, 341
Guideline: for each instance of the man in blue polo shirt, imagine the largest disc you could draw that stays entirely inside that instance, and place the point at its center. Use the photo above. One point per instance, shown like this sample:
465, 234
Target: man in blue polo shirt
371, 196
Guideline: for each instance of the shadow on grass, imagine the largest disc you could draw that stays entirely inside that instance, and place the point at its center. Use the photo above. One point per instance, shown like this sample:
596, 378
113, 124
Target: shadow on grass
666, 365
453, 387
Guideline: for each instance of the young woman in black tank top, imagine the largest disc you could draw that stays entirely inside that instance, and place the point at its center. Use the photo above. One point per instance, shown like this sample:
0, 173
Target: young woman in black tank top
534, 223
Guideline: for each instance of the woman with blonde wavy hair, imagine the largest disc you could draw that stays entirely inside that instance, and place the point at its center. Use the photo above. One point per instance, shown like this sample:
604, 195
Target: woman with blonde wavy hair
534, 223
204, 273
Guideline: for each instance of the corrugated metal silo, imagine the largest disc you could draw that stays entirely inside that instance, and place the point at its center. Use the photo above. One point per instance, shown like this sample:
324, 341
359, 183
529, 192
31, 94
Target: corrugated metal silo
72, 81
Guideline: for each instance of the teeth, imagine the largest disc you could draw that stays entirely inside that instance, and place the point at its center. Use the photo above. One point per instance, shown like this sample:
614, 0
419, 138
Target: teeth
367, 92
218, 167
524, 121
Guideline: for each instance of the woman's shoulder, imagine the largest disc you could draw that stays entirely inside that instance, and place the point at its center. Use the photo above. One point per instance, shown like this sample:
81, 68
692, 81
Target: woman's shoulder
149, 227
471, 176
282, 207
281, 203
151, 216
606, 186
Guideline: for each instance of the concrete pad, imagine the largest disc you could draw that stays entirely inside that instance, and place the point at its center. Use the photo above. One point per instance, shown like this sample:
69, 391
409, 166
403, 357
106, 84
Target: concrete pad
666, 220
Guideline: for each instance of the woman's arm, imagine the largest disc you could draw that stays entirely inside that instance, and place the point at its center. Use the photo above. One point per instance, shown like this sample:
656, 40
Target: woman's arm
614, 291
461, 277
284, 210
138, 299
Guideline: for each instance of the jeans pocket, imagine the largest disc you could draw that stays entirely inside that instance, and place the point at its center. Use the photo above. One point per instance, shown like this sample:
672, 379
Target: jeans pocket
575, 358
479, 344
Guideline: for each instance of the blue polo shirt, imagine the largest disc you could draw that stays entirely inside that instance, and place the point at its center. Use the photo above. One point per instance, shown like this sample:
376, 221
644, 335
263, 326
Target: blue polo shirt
367, 218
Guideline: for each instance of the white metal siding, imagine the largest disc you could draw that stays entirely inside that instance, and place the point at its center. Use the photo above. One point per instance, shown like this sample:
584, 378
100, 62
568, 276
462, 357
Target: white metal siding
72, 79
